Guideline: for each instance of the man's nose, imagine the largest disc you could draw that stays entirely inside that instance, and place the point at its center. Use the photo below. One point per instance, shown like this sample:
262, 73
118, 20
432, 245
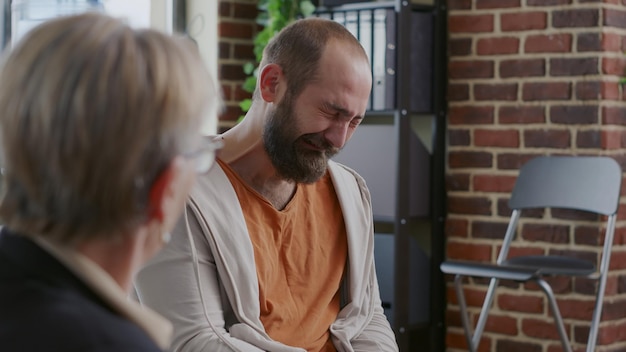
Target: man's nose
337, 134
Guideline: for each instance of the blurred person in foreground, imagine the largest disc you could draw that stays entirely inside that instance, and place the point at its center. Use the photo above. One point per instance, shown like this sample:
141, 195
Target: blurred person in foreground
284, 261
100, 146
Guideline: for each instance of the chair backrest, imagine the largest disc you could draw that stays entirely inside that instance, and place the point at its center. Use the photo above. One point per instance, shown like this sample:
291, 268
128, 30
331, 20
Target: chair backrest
573, 182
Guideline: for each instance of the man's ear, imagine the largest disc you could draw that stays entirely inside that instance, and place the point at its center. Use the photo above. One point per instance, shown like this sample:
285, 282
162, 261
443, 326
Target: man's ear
269, 79
163, 190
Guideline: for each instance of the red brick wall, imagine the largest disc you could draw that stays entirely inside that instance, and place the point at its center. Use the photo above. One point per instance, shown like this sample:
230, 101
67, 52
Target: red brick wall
527, 78
237, 28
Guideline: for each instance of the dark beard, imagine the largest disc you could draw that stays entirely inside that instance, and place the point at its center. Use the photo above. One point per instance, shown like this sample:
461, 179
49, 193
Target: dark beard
290, 158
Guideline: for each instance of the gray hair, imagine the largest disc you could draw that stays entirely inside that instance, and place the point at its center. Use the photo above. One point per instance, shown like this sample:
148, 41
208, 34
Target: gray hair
91, 112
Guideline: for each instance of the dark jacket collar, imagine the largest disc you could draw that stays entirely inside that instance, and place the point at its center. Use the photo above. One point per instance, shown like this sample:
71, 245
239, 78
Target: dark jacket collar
21, 258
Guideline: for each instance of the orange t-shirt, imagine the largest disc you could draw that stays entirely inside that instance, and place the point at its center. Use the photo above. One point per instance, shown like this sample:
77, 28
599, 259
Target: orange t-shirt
300, 254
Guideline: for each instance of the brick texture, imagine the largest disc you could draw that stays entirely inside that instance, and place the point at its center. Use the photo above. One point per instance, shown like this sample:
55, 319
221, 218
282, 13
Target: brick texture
523, 21
492, 4
529, 78
471, 23
237, 28
548, 43
522, 68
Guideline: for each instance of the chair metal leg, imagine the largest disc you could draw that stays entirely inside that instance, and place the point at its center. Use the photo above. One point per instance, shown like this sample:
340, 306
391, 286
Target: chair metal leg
595, 320
484, 311
604, 268
597, 313
464, 314
558, 320
473, 338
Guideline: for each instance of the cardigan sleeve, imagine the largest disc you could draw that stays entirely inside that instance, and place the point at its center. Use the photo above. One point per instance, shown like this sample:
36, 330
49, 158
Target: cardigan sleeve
377, 334
373, 331
184, 287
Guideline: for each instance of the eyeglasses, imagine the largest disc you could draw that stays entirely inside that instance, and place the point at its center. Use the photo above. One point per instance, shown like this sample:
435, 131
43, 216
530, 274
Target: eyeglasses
204, 157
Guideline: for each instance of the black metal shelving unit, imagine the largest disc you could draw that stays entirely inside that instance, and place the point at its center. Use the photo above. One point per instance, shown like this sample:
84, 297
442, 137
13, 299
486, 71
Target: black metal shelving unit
409, 127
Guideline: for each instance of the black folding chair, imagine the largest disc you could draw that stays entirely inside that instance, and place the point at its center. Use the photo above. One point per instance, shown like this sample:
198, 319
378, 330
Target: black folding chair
590, 184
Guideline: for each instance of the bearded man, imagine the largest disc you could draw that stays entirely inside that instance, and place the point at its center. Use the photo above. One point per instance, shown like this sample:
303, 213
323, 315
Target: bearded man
275, 251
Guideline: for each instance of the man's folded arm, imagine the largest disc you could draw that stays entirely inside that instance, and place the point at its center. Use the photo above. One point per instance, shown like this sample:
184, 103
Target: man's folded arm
188, 295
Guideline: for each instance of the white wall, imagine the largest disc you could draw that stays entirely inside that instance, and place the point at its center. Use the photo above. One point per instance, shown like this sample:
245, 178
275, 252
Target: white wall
136, 12
158, 14
203, 26
161, 15
201, 16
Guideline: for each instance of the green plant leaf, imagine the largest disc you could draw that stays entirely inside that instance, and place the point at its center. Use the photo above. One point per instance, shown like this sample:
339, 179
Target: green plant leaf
249, 85
248, 68
262, 5
263, 19
245, 104
273, 15
307, 8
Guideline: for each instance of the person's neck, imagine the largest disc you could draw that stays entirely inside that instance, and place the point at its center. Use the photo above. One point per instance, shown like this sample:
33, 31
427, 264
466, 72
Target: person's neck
256, 169
120, 258
244, 152
246, 136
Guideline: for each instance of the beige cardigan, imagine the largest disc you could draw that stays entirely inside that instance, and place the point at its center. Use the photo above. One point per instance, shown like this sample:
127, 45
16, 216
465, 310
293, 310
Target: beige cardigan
208, 287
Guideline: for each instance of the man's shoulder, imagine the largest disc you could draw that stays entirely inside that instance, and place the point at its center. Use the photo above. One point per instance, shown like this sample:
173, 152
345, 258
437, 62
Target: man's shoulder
337, 168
